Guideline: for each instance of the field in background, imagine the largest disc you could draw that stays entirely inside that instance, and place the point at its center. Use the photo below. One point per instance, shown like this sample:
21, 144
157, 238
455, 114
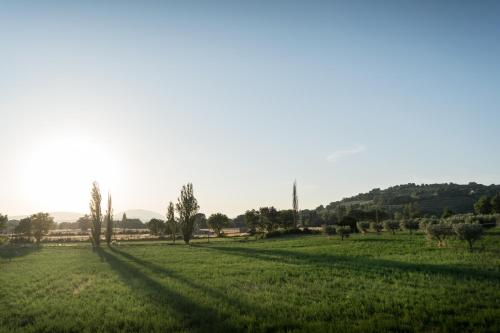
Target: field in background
365, 283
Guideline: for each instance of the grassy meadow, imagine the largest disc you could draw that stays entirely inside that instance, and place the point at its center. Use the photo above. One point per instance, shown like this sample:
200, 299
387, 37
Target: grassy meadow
368, 282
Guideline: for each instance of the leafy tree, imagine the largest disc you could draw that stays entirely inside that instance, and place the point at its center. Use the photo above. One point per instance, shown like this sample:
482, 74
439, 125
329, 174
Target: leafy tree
439, 232
3, 222
187, 207
109, 221
96, 215
495, 204
24, 227
171, 222
295, 205
84, 223
344, 231
348, 221
156, 227
41, 223
363, 226
124, 222
287, 218
252, 220
268, 218
391, 225
377, 227
200, 221
468, 232
410, 225
447, 212
329, 230
217, 222
483, 205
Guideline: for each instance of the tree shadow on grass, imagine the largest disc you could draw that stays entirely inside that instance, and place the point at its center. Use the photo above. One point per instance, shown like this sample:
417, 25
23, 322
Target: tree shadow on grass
237, 304
189, 313
360, 263
13, 251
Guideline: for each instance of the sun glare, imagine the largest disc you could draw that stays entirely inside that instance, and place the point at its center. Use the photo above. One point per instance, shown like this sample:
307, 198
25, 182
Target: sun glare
59, 173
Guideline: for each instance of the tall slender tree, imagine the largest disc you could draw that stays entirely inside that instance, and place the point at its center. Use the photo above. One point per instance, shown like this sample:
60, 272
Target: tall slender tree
124, 222
171, 223
109, 221
3, 222
187, 207
295, 205
95, 215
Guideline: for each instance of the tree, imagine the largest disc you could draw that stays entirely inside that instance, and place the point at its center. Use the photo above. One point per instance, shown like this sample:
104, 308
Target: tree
24, 227
268, 218
439, 232
447, 212
171, 222
410, 225
295, 205
156, 227
391, 225
363, 226
286, 218
217, 222
3, 222
377, 227
329, 230
344, 231
468, 232
187, 207
84, 223
483, 205
124, 222
252, 220
95, 215
109, 221
41, 223
495, 204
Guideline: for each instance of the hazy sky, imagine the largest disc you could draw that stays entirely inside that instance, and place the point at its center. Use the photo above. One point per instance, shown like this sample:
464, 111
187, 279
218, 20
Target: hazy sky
241, 98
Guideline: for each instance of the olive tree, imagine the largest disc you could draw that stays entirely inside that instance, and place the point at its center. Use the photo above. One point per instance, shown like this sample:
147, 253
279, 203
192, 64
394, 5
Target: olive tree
156, 227
217, 222
439, 232
95, 215
410, 225
391, 225
363, 226
468, 232
377, 227
187, 207
41, 223
344, 231
329, 230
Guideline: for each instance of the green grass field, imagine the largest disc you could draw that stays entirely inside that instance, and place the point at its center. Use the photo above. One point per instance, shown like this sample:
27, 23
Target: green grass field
398, 283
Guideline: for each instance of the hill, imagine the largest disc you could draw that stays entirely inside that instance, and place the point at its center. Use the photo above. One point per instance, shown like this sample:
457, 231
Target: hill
430, 199
141, 214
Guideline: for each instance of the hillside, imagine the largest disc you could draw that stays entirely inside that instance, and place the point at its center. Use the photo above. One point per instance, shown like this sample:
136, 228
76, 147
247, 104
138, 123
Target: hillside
429, 198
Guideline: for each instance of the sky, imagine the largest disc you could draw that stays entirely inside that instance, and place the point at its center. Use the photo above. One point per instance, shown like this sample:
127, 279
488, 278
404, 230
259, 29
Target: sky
241, 98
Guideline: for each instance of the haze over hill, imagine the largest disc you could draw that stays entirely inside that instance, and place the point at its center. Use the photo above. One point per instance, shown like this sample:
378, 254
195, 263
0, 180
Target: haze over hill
141, 214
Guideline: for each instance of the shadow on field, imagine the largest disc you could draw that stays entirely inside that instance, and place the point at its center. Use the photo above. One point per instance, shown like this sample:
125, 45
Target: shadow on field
356, 263
9, 252
188, 313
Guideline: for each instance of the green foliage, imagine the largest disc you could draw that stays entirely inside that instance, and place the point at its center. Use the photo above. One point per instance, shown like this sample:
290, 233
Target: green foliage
425, 222
446, 213
377, 227
217, 222
84, 223
3, 222
483, 205
410, 225
439, 232
96, 215
156, 227
287, 219
343, 231
290, 232
329, 229
187, 208
109, 221
363, 226
252, 221
41, 223
268, 218
171, 223
495, 204
468, 232
486, 221
391, 225
24, 228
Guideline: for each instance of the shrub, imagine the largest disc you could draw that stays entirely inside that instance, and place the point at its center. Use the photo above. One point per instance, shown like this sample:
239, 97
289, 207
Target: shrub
329, 229
468, 232
439, 232
344, 231
425, 222
377, 227
391, 225
487, 221
363, 226
410, 224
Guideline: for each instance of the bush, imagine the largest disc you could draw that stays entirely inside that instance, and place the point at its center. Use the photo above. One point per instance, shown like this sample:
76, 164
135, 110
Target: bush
329, 229
363, 226
425, 222
410, 224
377, 227
344, 231
468, 232
439, 232
286, 232
487, 221
391, 225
